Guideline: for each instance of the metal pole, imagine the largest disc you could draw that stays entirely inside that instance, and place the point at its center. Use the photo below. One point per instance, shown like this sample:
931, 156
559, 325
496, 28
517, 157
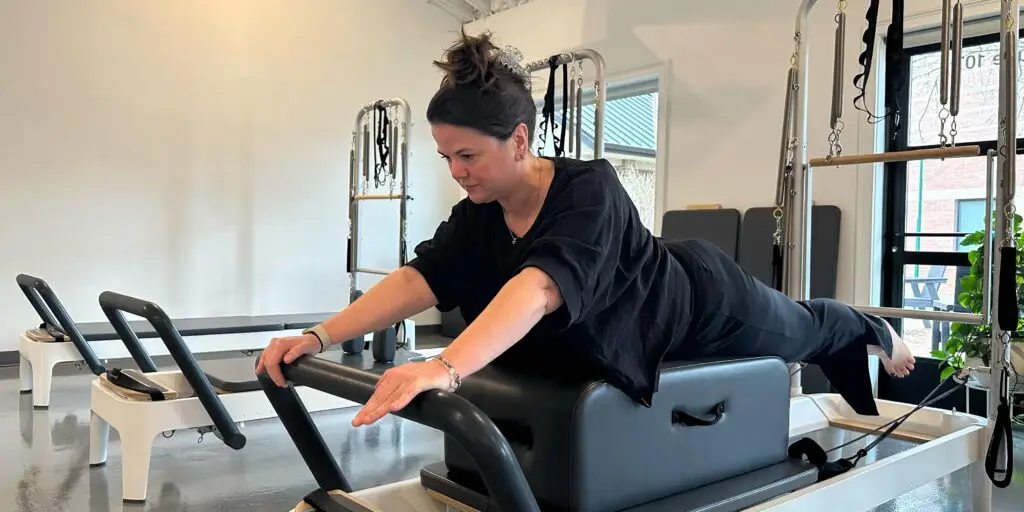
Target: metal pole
798, 214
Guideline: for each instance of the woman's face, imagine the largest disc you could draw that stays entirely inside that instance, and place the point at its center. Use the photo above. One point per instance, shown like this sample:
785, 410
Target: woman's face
485, 167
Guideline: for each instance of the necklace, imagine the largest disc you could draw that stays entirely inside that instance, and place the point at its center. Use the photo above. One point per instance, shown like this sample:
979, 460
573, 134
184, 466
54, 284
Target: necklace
513, 235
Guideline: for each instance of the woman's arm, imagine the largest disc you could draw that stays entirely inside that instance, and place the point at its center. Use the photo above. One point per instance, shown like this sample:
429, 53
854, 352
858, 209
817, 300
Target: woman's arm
400, 295
516, 309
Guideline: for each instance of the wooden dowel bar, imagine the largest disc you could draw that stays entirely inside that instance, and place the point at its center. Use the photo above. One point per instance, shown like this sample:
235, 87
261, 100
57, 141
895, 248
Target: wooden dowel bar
898, 156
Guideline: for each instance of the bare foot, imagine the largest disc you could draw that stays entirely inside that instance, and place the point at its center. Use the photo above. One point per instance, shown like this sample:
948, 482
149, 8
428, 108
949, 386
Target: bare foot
902, 361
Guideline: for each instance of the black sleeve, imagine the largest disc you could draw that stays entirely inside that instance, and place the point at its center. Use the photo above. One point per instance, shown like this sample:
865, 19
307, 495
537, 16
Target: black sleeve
578, 239
441, 259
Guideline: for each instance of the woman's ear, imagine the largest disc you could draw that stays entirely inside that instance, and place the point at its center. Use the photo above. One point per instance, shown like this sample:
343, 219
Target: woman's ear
521, 139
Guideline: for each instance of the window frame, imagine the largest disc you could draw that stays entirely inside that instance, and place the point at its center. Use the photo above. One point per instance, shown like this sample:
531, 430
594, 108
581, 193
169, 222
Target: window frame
895, 256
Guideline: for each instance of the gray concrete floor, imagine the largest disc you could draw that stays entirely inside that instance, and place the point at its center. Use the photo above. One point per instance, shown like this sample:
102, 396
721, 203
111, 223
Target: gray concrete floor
46, 468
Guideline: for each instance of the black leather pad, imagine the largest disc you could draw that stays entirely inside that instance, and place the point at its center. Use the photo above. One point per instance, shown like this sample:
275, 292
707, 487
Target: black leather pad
731, 495
237, 375
586, 446
720, 227
755, 254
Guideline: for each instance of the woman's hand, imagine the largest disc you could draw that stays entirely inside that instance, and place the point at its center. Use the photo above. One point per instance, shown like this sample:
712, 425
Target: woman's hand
398, 386
285, 350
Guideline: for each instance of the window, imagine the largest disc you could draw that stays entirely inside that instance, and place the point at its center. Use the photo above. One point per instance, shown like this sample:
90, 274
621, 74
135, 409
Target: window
929, 206
970, 217
630, 137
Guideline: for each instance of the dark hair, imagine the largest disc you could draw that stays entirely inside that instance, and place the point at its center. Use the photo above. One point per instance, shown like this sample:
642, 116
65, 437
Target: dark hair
480, 92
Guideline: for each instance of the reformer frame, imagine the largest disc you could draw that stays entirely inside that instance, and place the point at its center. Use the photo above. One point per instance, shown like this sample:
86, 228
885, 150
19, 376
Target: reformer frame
360, 170
600, 89
360, 158
794, 196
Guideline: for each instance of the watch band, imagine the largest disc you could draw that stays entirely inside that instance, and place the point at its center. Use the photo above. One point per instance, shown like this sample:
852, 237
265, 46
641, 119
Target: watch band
320, 332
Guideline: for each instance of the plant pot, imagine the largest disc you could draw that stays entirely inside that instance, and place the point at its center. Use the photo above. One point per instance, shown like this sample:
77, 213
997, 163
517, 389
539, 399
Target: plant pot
974, 362
980, 377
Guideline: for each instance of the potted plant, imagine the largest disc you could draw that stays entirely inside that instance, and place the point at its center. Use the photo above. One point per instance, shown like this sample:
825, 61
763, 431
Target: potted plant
968, 345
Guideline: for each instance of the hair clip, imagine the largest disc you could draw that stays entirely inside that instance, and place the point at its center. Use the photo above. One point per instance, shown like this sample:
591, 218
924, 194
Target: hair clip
510, 57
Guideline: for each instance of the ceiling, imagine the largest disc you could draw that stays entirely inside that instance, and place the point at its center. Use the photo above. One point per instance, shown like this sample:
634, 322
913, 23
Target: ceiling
470, 10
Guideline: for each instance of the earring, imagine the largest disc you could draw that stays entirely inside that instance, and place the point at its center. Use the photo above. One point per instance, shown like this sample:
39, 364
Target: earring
519, 157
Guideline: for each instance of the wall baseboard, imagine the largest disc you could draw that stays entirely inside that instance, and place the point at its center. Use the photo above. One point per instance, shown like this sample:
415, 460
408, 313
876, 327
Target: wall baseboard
11, 357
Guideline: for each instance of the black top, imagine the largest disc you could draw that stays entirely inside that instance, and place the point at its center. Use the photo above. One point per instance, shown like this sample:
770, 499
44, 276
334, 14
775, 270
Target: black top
626, 298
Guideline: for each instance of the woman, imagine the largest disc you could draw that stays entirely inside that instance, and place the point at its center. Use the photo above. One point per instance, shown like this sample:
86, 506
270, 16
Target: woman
548, 261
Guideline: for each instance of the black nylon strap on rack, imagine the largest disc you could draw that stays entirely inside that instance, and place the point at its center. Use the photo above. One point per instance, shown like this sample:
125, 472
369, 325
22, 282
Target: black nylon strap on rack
777, 259
548, 111
560, 141
1003, 433
810, 450
382, 128
893, 65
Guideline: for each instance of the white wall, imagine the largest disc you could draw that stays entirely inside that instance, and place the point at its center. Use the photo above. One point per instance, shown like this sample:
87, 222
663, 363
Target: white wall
728, 62
196, 153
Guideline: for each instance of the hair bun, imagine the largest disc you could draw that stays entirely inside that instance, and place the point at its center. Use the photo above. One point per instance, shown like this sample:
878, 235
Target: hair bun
472, 60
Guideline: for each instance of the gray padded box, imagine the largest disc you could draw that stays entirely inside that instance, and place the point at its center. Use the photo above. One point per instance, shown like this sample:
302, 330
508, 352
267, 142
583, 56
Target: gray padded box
585, 446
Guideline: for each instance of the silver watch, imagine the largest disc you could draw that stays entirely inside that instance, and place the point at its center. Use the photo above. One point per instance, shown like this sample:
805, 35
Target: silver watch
321, 334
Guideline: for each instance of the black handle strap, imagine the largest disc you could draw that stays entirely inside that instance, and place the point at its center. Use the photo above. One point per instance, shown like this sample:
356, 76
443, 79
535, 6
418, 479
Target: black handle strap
684, 418
777, 260
1007, 310
1003, 434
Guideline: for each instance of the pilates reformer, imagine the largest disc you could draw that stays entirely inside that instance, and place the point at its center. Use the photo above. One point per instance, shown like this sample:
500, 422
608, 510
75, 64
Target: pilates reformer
982, 443
142, 405
59, 339
386, 123
505, 450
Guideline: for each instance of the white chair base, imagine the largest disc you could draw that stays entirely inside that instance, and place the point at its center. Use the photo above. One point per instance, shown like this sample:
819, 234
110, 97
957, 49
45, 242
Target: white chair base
139, 422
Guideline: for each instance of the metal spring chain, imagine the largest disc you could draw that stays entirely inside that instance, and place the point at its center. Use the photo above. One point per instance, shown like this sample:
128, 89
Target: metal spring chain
835, 146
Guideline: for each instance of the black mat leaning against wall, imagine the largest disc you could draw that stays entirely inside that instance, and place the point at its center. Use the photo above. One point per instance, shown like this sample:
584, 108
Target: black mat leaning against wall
718, 226
755, 256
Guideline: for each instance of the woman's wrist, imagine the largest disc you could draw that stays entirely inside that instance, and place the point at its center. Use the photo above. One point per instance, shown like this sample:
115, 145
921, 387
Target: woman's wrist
454, 379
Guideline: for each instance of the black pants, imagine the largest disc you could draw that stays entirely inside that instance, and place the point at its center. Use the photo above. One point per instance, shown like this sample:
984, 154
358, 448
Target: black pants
736, 315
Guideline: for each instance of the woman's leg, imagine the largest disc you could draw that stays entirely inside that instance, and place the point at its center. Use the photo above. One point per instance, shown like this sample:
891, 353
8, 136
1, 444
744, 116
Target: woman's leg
737, 315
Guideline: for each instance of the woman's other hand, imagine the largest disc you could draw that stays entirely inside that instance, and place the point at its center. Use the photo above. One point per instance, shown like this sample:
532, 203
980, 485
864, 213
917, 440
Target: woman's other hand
285, 350
398, 386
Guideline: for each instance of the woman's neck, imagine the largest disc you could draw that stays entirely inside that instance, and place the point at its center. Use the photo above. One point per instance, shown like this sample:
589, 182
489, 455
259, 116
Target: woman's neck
526, 200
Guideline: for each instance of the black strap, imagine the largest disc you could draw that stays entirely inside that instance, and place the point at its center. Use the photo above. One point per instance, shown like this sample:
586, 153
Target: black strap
777, 270
894, 64
548, 111
560, 141
1003, 434
810, 450
382, 127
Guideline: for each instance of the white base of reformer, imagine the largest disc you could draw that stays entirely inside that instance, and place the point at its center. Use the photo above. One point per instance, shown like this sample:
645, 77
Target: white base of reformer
949, 441
38, 358
139, 422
